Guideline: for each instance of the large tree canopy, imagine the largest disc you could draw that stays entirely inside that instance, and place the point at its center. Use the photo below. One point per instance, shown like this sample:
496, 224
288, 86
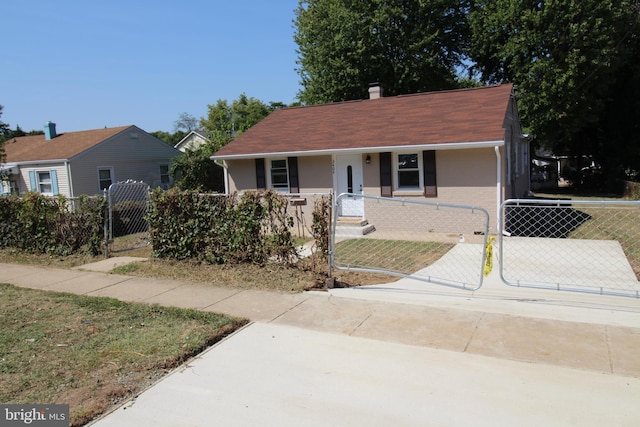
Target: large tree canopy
572, 63
4, 131
170, 138
407, 46
194, 170
225, 121
185, 122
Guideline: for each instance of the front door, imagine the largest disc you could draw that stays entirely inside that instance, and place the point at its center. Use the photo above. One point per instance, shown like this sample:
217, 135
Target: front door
349, 180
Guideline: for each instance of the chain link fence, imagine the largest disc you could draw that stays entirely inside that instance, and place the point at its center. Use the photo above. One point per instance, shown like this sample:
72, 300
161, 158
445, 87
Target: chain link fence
431, 242
127, 226
574, 245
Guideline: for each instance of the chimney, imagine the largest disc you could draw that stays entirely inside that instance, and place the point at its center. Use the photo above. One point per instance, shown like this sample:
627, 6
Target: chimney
49, 131
375, 90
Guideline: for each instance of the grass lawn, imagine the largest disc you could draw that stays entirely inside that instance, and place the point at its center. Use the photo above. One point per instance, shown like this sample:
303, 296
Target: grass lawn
93, 353
272, 277
399, 256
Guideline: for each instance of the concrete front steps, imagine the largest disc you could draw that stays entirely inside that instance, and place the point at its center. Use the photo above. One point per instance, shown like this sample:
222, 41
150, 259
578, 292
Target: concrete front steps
353, 227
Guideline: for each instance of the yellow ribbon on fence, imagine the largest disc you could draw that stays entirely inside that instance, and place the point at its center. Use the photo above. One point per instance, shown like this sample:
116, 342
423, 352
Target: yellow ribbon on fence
488, 261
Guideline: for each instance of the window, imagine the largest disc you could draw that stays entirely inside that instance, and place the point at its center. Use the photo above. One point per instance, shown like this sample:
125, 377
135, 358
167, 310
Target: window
165, 179
44, 183
408, 171
14, 189
105, 178
279, 175
282, 174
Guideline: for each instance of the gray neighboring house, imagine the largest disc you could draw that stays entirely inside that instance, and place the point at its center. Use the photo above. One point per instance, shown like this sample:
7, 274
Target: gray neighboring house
84, 162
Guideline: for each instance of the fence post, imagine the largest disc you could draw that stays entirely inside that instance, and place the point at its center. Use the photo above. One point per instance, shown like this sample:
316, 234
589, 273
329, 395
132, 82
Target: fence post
106, 224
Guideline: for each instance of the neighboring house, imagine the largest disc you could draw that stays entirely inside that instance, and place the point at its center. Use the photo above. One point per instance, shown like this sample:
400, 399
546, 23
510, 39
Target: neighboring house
191, 141
460, 146
85, 162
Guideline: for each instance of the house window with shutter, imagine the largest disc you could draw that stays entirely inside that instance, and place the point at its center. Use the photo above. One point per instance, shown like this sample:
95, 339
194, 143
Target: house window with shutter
279, 175
45, 183
408, 170
282, 174
408, 173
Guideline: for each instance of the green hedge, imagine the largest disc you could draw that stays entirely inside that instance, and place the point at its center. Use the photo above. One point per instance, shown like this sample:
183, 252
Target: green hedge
220, 229
58, 226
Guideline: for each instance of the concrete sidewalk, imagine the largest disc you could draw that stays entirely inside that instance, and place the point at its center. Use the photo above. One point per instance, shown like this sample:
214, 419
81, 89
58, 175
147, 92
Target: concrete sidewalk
492, 342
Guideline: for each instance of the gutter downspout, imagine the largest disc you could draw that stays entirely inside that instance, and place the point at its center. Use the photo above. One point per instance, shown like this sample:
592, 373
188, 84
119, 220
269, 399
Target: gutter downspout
222, 164
69, 180
498, 186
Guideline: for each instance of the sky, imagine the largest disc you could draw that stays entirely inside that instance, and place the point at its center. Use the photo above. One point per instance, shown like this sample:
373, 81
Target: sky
92, 64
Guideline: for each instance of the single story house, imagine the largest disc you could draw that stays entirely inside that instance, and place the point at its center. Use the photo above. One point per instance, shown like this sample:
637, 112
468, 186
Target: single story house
459, 146
191, 141
84, 162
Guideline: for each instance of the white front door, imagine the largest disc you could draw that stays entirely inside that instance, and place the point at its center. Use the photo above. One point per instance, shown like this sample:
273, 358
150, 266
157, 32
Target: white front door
349, 180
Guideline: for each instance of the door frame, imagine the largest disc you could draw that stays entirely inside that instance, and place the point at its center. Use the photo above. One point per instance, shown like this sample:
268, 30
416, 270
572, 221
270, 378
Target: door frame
340, 160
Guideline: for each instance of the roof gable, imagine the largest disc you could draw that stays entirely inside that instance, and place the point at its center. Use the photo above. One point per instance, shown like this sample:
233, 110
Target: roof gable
445, 117
64, 146
194, 137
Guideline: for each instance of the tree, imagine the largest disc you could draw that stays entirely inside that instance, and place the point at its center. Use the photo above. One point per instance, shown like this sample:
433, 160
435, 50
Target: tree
4, 131
406, 46
568, 61
185, 122
170, 138
194, 170
224, 122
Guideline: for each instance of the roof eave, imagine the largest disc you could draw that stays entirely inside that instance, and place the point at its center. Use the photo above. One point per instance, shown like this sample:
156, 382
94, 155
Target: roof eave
380, 149
23, 163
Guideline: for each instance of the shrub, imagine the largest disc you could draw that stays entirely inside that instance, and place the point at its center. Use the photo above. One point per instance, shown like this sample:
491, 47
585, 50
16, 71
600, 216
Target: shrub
40, 224
251, 228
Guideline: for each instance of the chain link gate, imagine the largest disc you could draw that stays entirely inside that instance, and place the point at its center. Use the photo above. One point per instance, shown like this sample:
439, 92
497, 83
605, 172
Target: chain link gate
126, 227
572, 245
431, 242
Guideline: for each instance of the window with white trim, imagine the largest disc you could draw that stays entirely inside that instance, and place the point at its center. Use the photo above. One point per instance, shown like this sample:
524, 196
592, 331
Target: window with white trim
44, 183
279, 175
105, 178
408, 171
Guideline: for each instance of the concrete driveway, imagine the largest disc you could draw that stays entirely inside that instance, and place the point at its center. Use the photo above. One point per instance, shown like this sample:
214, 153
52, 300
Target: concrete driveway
279, 375
596, 266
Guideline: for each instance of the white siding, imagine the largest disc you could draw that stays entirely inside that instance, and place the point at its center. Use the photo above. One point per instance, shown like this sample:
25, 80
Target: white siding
61, 176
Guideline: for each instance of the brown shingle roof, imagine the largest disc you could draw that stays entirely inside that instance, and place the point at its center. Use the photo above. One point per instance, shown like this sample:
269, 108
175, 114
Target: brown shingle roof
457, 116
64, 146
